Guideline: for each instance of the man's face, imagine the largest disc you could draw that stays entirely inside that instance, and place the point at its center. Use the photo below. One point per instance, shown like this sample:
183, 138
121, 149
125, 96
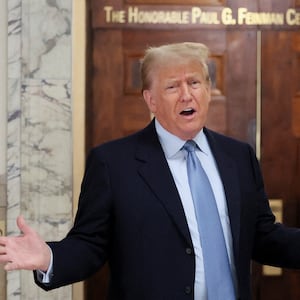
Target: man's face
179, 98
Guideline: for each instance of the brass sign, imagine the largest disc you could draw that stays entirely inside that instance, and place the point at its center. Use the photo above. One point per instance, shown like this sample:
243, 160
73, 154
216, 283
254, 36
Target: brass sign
195, 16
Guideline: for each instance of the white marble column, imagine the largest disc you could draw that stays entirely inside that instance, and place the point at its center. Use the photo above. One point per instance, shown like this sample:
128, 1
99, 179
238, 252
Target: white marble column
3, 123
39, 128
3, 103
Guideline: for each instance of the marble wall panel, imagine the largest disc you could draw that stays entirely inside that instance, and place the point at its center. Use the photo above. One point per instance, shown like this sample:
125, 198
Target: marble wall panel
46, 167
46, 151
3, 125
39, 132
46, 39
13, 142
14, 38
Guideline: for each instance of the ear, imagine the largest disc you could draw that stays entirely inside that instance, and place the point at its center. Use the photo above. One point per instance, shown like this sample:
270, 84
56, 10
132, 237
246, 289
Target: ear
150, 100
209, 92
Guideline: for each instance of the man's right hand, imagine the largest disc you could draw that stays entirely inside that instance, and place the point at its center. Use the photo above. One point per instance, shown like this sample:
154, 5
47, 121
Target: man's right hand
27, 251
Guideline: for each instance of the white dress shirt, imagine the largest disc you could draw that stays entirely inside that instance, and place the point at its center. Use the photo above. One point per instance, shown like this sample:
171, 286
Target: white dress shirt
176, 158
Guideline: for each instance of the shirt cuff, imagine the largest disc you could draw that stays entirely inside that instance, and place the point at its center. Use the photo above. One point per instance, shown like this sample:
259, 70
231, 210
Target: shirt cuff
45, 277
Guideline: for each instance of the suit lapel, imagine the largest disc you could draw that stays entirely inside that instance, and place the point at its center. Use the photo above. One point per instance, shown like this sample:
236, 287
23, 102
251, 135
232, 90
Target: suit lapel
229, 176
155, 171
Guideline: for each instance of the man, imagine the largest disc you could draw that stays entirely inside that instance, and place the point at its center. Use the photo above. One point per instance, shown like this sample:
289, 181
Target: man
137, 208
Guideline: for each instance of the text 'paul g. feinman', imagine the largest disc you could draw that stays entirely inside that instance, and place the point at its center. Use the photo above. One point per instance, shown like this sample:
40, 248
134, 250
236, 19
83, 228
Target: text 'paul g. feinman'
197, 15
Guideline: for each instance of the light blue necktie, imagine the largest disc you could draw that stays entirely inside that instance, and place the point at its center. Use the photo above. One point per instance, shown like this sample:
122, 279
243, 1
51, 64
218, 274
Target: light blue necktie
216, 263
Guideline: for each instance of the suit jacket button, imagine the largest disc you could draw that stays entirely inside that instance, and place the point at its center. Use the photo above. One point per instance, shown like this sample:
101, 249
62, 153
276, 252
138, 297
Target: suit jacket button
188, 251
188, 289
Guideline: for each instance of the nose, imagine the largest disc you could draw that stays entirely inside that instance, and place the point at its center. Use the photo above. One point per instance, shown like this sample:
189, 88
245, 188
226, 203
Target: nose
185, 92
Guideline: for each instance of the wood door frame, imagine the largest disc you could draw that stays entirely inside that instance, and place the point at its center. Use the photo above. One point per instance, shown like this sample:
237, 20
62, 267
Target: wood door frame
79, 68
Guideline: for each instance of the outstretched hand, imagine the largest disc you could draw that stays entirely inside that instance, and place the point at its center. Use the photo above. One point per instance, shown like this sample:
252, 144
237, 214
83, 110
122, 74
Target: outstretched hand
27, 251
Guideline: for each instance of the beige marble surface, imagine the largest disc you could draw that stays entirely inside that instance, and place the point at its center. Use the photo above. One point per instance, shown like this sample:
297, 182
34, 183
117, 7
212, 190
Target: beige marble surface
39, 127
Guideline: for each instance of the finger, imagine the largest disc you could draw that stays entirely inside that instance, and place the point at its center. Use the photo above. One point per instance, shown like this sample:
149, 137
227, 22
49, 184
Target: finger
4, 258
23, 225
2, 250
2, 241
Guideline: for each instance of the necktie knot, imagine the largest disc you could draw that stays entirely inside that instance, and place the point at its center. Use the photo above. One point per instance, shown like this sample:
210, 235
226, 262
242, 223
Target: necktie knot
190, 146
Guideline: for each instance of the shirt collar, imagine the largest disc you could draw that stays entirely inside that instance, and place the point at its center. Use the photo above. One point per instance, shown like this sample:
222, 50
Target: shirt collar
172, 144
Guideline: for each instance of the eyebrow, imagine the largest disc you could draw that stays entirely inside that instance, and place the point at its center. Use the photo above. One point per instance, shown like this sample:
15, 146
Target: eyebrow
188, 76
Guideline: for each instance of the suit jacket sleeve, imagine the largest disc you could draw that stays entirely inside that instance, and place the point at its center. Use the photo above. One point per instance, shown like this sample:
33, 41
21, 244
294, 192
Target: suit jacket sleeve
274, 243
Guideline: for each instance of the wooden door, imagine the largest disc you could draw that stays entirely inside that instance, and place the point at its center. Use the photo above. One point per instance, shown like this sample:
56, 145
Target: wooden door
280, 156
116, 108
115, 105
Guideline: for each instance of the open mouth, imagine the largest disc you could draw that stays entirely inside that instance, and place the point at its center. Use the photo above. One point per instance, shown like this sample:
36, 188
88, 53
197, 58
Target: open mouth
187, 112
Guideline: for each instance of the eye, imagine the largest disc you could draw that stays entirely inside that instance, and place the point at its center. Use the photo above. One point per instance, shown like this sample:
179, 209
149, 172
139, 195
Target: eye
172, 87
195, 84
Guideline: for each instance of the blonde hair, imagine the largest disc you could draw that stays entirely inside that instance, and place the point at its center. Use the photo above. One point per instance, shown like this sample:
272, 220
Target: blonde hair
172, 54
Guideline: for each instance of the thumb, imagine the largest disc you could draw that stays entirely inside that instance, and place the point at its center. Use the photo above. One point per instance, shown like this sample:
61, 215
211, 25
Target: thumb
23, 225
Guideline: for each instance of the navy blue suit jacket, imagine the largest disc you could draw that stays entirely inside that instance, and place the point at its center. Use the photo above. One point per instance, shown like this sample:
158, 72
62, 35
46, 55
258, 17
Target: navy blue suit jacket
130, 214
